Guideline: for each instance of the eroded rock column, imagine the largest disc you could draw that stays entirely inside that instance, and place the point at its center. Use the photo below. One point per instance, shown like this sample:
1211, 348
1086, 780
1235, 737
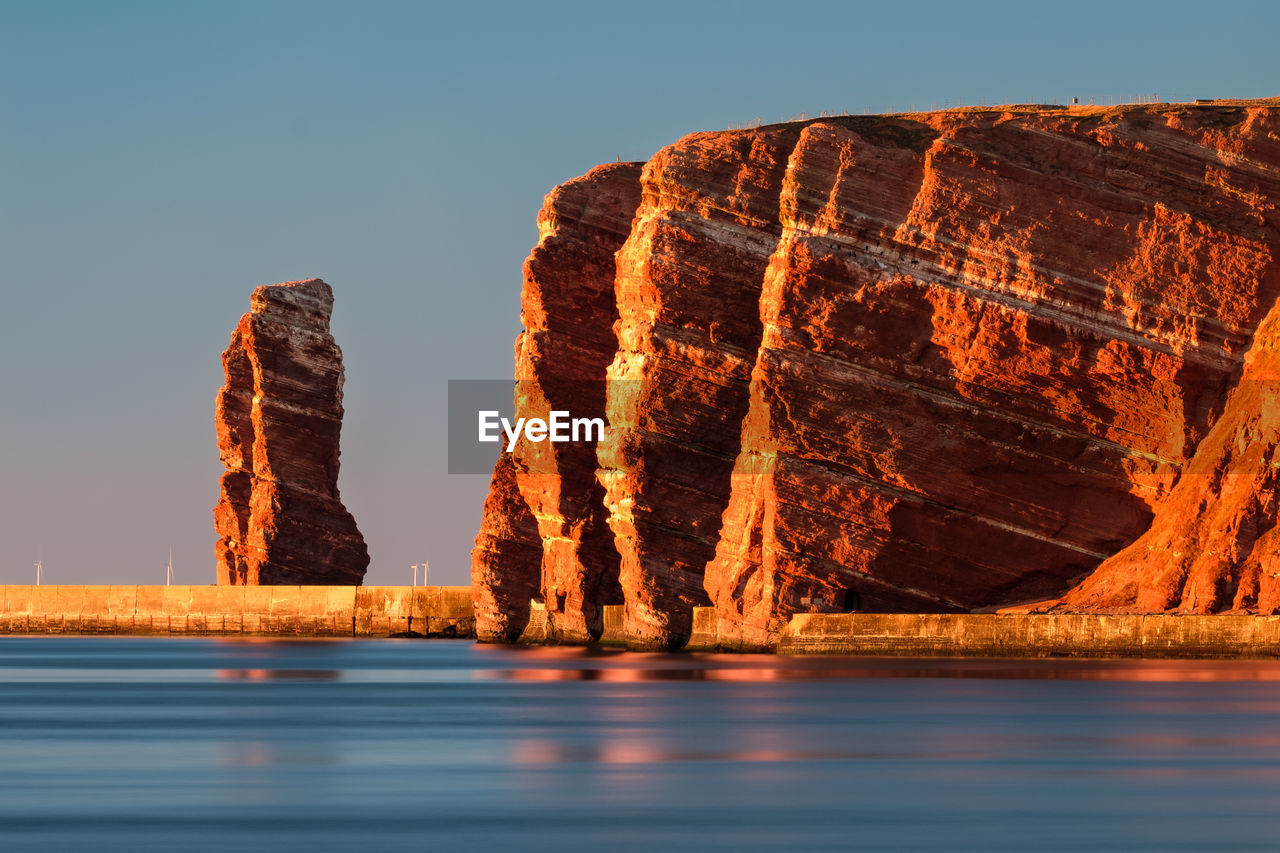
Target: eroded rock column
280, 518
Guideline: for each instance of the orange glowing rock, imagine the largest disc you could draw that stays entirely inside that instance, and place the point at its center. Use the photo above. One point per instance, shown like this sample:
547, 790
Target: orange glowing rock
280, 519
935, 362
544, 531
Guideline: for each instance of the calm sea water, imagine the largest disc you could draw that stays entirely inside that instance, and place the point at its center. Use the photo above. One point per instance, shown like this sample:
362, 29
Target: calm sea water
194, 744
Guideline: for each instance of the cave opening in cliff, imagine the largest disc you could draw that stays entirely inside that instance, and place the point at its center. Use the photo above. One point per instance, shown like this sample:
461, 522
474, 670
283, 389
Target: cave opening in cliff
849, 600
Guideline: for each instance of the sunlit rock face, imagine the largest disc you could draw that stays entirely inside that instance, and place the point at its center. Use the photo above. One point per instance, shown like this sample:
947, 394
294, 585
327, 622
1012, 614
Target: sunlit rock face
545, 532
933, 362
280, 519
1213, 545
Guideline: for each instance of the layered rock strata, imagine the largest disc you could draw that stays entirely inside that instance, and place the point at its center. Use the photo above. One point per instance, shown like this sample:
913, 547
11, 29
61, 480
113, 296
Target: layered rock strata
941, 362
506, 563
545, 532
1213, 545
688, 283
280, 519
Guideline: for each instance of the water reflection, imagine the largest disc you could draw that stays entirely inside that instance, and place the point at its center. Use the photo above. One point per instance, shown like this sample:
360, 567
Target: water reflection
573, 664
640, 751
278, 674
209, 746
268, 753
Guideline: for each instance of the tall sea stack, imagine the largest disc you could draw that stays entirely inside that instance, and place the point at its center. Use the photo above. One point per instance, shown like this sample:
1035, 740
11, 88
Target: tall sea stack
280, 519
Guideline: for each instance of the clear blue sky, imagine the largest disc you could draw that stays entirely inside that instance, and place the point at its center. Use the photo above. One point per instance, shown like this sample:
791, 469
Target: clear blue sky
160, 160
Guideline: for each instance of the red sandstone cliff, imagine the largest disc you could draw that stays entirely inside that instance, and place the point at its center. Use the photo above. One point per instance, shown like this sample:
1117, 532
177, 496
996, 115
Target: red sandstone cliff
280, 519
931, 362
1213, 545
545, 530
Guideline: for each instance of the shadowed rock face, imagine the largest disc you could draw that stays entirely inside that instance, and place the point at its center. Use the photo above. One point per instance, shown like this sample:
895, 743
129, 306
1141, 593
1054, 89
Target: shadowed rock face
506, 563
280, 519
932, 363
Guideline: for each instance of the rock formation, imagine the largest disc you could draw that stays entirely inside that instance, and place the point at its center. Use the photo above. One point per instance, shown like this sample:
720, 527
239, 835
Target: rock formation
933, 362
1213, 545
544, 532
506, 564
280, 519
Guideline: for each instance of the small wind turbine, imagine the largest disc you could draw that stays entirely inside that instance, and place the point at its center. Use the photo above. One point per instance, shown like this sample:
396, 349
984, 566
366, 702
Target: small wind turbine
168, 578
39, 568
426, 572
415, 573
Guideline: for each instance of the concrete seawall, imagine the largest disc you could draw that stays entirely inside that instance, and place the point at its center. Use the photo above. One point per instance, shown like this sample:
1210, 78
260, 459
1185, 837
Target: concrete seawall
1039, 635
297, 611
982, 635
378, 611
